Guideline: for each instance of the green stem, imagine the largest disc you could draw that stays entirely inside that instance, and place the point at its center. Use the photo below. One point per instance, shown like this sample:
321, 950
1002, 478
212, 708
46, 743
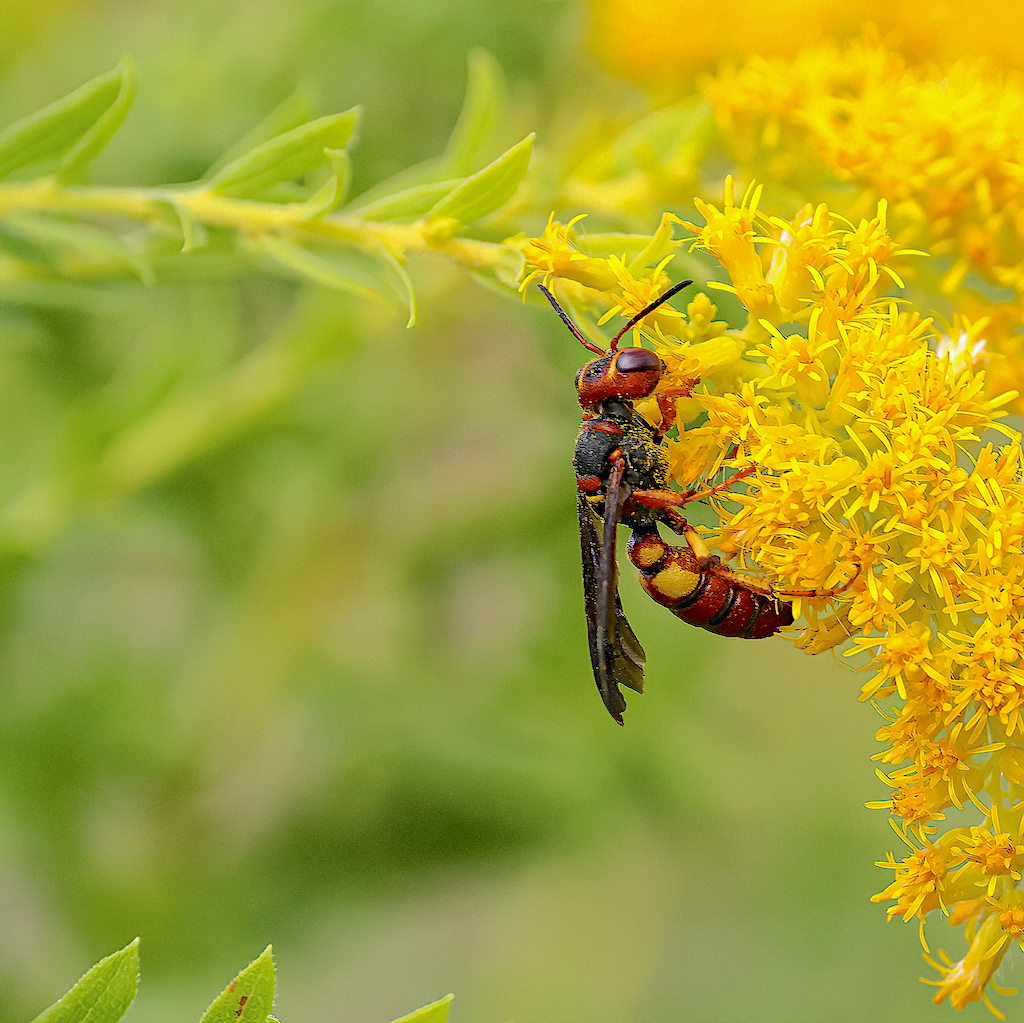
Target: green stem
290, 220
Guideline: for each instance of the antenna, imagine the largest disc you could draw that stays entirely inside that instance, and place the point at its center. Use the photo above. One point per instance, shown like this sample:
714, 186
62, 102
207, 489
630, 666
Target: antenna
572, 326
589, 345
648, 309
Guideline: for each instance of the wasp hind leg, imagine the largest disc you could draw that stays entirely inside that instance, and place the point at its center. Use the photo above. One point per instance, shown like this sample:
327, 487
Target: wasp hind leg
712, 563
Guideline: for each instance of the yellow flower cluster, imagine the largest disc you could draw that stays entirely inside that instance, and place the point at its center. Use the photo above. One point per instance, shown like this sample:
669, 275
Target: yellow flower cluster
944, 148
663, 43
880, 468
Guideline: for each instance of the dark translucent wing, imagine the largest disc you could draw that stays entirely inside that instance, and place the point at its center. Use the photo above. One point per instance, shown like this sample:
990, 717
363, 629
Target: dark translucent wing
628, 657
615, 652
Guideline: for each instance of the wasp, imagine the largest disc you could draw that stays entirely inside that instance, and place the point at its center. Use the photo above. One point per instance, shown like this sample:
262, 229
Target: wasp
622, 478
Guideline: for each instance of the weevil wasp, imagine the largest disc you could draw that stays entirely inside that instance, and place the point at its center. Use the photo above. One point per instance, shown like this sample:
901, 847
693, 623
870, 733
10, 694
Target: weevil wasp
621, 477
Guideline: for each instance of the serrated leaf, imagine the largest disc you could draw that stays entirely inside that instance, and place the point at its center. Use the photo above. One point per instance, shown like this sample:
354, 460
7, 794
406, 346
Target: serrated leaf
435, 1012
473, 129
84, 151
318, 268
410, 202
103, 994
249, 997
83, 238
485, 191
333, 190
290, 113
53, 131
287, 156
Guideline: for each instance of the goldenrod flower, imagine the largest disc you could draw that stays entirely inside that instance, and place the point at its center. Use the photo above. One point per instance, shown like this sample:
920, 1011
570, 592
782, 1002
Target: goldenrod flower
944, 148
879, 471
662, 43
555, 254
965, 981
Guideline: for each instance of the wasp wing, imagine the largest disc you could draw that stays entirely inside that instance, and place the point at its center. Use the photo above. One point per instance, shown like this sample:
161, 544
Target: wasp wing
615, 652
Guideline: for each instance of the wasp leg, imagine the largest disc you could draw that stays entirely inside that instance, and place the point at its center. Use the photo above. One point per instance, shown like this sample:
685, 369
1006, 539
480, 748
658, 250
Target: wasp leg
823, 593
699, 495
670, 499
667, 406
712, 563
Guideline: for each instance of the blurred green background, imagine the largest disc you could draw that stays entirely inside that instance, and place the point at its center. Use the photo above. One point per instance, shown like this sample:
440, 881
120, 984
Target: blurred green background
324, 682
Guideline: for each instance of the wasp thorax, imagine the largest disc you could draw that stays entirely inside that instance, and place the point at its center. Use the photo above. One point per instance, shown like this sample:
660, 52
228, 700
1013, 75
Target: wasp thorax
629, 374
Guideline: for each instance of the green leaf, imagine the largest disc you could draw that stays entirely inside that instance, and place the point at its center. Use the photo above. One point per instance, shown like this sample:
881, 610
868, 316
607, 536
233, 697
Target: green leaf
504, 275
410, 202
661, 245
84, 238
426, 173
665, 135
292, 112
485, 191
435, 1012
84, 151
103, 994
287, 156
333, 273
56, 129
249, 997
412, 186
484, 88
405, 288
333, 190
193, 233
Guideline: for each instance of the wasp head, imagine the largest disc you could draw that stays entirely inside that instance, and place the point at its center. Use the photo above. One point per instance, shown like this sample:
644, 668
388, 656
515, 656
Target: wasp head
629, 374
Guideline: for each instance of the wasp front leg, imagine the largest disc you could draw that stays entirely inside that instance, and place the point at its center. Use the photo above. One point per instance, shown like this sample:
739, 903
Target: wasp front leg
666, 400
669, 499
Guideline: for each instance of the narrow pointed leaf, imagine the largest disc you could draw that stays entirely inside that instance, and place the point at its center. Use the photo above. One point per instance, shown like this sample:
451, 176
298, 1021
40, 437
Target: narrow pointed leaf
249, 997
504, 275
90, 241
661, 244
479, 112
53, 131
288, 156
333, 190
321, 269
664, 135
405, 288
485, 191
193, 233
84, 151
292, 112
410, 202
427, 172
435, 1012
103, 994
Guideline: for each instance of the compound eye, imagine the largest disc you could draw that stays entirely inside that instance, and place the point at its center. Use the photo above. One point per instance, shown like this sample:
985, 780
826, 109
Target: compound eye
638, 360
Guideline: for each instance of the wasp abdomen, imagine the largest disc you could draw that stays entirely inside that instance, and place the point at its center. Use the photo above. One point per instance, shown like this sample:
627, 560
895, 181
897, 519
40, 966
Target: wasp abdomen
673, 577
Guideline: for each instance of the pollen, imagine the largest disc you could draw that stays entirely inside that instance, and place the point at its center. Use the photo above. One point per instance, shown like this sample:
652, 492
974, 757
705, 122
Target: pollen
674, 582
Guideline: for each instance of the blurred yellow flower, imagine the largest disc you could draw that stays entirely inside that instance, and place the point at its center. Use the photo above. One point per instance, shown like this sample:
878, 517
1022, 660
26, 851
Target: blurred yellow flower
919, 105
663, 43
